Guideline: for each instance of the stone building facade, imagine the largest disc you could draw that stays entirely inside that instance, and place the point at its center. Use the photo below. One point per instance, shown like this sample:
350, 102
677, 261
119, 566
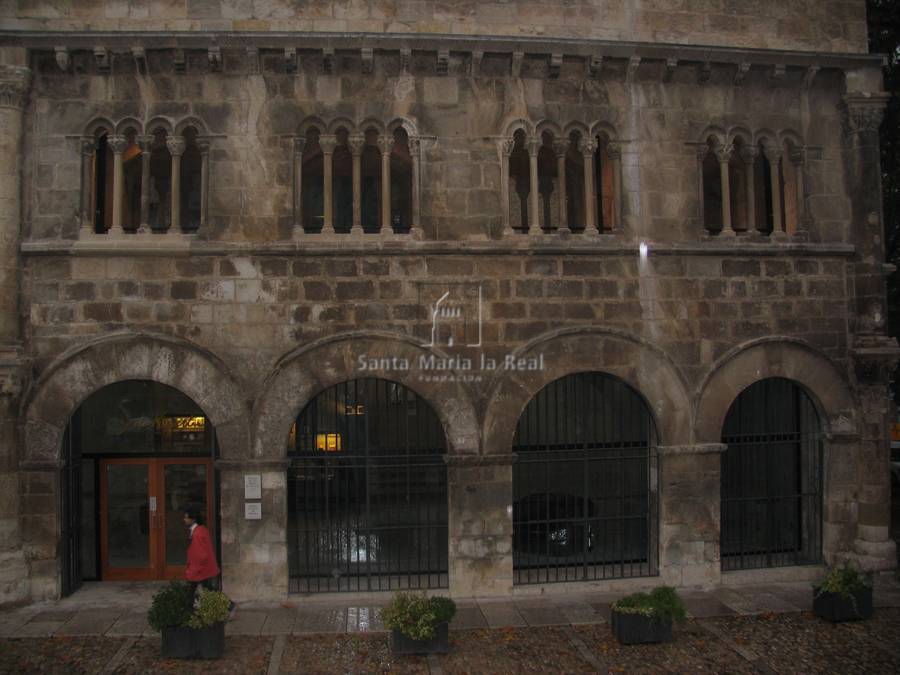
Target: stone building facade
195, 194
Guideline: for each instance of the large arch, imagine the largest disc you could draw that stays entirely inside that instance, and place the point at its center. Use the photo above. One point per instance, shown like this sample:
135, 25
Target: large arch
304, 372
645, 368
774, 357
81, 371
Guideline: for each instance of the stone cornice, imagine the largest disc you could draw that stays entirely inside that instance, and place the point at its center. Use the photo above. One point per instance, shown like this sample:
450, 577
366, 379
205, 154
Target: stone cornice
347, 245
125, 41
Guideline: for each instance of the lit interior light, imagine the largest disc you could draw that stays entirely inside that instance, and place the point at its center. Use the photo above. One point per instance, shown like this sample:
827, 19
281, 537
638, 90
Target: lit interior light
644, 250
328, 442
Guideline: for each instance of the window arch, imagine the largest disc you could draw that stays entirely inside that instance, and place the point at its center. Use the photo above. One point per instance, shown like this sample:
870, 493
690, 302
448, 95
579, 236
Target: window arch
401, 182
574, 180
191, 181
585, 502
739, 185
367, 491
548, 185
519, 182
605, 181
160, 197
771, 478
712, 197
310, 165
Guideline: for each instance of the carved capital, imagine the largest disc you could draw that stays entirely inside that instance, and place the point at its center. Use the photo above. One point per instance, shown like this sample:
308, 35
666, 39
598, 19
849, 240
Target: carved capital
299, 145
414, 144
386, 144
772, 154
724, 153
15, 81
613, 149
175, 144
749, 154
506, 146
356, 144
87, 146
797, 156
203, 145
862, 113
560, 147
533, 145
587, 147
145, 143
327, 142
118, 144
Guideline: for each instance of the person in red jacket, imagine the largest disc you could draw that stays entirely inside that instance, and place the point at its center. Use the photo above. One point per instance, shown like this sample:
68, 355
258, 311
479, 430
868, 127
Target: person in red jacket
202, 569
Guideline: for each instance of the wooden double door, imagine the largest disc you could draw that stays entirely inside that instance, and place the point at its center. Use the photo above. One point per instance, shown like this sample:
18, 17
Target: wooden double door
142, 504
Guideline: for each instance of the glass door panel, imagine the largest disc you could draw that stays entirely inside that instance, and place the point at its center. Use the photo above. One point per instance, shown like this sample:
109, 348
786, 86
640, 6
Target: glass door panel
127, 519
185, 485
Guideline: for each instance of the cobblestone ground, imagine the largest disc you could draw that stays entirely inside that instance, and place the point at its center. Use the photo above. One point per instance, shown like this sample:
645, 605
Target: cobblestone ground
791, 642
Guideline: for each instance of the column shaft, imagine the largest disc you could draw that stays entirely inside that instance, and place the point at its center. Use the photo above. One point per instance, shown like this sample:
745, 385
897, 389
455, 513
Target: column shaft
176, 149
588, 148
414, 150
146, 149
774, 158
533, 187
386, 148
561, 147
328, 144
88, 148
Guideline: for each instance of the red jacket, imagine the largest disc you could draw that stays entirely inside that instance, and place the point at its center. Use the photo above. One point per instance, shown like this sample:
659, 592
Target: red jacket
201, 559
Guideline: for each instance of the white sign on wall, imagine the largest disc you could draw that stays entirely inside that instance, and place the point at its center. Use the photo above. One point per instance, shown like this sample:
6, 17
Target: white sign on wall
252, 486
253, 511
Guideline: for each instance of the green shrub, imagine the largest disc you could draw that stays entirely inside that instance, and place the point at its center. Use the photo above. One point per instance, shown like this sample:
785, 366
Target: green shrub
211, 607
171, 607
845, 581
662, 602
417, 616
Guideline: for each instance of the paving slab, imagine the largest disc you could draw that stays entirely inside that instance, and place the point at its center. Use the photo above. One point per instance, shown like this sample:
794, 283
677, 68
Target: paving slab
321, 620
579, 613
90, 622
541, 614
602, 609
54, 615
279, 622
364, 620
130, 624
246, 622
740, 602
501, 614
468, 617
38, 629
703, 606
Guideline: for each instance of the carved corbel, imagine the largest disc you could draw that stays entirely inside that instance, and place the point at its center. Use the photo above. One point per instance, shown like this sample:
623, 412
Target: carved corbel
516, 65
669, 69
809, 76
62, 58
140, 59
443, 62
741, 74
475, 64
180, 61
633, 64
368, 60
214, 54
253, 60
779, 71
704, 72
102, 59
595, 66
328, 60
555, 65
405, 58
290, 60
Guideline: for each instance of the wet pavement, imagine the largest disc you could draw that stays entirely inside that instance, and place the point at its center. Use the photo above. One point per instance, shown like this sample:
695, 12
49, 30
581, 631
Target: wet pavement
116, 613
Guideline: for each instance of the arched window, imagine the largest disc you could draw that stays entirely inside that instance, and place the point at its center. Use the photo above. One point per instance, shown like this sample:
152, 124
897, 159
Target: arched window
137, 454
575, 184
160, 204
367, 491
132, 169
401, 182
547, 184
312, 188
519, 183
791, 187
342, 183
605, 184
370, 189
765, 203
712, 188
103, 184
771, 478
737, 183
585, 502
191, 181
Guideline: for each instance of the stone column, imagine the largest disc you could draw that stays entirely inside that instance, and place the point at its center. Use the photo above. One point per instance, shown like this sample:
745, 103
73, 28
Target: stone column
774, 157
15, 80
356, 143
415, 151
386, 145
328, 143
561, 147
118, 144
798, 158
723, 154
175, 144
690, 514
588, 148
702, 151
203, 147
146, 143
299, 145
504, 149
533, 145
88, 148
748, 154
480, 524
875, 354
614, 152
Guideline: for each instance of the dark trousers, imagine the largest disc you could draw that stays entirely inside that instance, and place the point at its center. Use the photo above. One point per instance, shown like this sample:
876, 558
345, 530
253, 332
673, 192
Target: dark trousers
210, 584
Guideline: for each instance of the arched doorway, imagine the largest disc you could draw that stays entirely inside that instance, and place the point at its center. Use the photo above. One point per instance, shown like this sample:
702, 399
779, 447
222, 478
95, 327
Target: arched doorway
367, 491
585, 483
771, 478
136, 454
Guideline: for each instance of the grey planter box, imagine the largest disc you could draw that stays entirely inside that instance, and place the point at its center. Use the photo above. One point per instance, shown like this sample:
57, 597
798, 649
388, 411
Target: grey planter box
637, 629
440, 644
836, 608
194, 643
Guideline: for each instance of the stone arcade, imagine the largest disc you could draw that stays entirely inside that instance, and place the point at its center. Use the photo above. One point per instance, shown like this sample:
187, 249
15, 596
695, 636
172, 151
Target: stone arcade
210, 212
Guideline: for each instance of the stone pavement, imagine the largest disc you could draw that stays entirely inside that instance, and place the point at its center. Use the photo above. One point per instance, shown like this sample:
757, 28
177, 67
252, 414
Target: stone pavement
118, 609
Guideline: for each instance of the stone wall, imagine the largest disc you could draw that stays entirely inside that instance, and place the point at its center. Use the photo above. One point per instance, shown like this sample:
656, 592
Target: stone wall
828, 25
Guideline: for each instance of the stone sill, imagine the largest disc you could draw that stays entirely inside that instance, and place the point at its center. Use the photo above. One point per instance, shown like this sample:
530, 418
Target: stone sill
431, 42
188, 245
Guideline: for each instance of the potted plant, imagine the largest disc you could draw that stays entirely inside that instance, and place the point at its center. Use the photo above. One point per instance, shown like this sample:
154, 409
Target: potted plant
844, 595
192, 626
643, 618
418, 624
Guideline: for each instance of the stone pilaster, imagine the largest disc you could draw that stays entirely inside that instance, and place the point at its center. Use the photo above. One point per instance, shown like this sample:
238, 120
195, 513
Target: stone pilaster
15, 81
689, 491
480, 524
